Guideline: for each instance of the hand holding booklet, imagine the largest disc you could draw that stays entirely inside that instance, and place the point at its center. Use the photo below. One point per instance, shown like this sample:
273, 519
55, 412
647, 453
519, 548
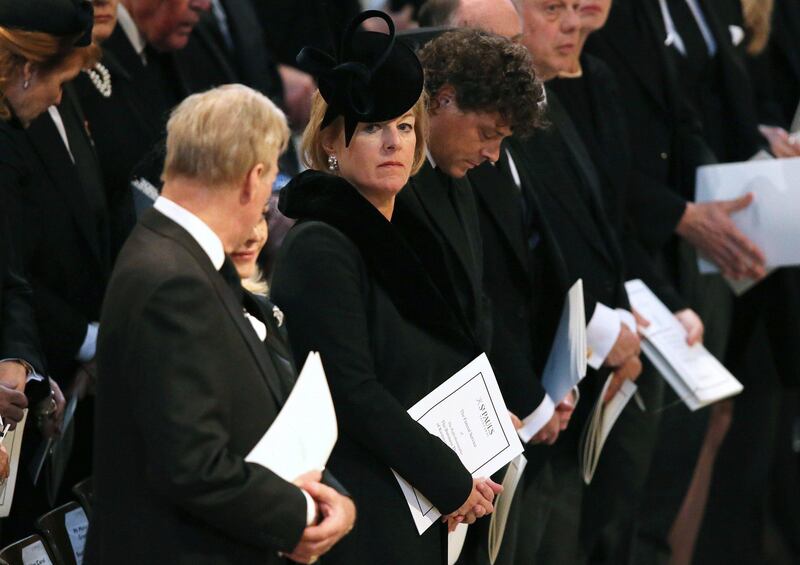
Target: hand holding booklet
302, 436
695, 375
771, 220
468, 413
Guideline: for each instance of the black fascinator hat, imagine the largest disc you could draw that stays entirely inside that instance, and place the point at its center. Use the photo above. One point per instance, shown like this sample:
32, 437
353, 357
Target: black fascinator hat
372, 78
57, 17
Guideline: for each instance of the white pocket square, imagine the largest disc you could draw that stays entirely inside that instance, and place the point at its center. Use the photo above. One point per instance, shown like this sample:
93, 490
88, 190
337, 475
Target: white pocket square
737, 34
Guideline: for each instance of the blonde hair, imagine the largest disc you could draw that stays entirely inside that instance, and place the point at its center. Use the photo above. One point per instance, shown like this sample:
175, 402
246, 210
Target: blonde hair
758, 23
44, 50
219, 135
313, 153
256, 284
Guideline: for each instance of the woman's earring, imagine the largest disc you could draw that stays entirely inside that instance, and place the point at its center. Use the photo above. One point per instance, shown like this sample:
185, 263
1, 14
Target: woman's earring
26, 84
333, 163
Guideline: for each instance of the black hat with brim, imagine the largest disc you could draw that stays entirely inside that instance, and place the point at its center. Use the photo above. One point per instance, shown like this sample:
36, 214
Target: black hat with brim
61, 18
373, 79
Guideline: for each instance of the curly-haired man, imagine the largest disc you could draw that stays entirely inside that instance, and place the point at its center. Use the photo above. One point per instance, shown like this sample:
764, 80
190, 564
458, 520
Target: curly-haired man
482, 88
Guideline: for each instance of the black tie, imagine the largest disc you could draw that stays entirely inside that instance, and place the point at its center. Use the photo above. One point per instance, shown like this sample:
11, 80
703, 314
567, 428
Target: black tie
688, 29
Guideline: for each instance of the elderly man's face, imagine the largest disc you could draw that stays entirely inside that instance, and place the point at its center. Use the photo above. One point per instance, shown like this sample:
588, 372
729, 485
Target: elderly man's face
167, 24
552, 33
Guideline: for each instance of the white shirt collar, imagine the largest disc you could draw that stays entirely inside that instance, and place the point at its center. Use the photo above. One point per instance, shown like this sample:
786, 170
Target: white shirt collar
135, 36
430, 157
197, 228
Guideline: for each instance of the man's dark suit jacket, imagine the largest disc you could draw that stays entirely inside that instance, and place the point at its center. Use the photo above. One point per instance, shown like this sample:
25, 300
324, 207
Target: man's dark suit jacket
557, 170
669, 149
65, 248
526, 287
128, 126
609, 166
185, 390
208, 60
447, 208
554, 166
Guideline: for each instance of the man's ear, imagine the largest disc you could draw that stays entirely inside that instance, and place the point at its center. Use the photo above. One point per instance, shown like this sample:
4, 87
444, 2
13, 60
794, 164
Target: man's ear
444, 97
249, 187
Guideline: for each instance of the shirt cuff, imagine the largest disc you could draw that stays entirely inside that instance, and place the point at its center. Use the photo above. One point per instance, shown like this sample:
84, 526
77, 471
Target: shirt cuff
536, 419
311, 509
627, 318
601, 334
32, 374
89, 347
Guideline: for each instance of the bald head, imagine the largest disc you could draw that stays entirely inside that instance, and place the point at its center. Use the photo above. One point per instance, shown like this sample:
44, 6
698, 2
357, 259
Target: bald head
496, 16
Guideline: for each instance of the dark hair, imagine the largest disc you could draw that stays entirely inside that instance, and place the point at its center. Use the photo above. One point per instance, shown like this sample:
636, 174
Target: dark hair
489, 74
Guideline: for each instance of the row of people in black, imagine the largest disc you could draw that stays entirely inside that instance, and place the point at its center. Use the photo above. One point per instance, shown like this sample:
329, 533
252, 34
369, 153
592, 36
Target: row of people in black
502, 219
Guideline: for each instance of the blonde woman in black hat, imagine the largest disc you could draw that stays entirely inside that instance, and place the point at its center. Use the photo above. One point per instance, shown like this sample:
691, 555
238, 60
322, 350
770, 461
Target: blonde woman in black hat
353, 290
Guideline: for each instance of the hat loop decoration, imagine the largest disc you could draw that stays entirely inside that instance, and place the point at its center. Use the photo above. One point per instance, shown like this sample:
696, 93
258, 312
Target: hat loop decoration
350, 83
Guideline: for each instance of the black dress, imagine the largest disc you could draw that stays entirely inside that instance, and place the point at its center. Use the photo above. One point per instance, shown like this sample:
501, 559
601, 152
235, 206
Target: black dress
353, 290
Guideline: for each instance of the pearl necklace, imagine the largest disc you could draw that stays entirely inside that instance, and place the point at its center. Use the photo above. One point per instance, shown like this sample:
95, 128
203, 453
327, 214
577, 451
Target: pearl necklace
101, 79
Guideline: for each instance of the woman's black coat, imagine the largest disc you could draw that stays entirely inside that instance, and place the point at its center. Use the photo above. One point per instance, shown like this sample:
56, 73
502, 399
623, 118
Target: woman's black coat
353, 290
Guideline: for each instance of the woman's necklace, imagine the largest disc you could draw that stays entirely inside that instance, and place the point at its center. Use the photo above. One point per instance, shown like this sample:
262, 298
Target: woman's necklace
101, 79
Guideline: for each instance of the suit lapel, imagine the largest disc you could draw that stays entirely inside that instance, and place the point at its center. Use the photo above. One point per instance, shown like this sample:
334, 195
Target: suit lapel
545, 176
624, 31
50, 149
433, 196
586, 169
156, 221
501, 199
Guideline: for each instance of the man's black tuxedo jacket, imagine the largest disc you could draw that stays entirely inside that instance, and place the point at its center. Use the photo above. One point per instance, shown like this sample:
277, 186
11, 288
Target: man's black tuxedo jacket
553, 166
447, 208
208, 61
65, 246
526, 288
665, 132
185, 390
128, 126
610, 167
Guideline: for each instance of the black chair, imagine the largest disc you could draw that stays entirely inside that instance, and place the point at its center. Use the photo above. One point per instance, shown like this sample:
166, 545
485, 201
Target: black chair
33, 549
65, 530
84, 492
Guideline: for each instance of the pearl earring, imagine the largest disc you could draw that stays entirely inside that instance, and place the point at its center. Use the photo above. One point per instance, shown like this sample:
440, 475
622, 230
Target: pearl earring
333, 163
26, 84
